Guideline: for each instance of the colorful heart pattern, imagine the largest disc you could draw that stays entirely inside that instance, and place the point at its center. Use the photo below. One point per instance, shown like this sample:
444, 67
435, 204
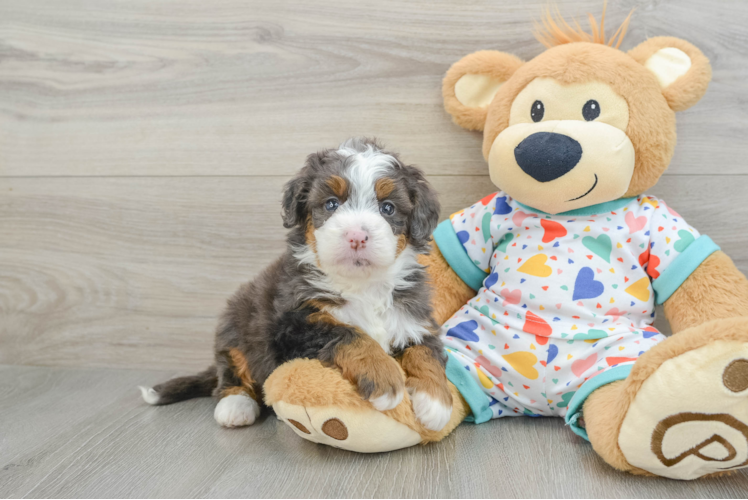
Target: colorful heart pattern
511, 296
640, 289
600, 246
492, 279
523, 363
535, 266
505, 242
685, 239
580, 366
552, 229
564, 299
465, 331
585, 286
634, 223
536, 325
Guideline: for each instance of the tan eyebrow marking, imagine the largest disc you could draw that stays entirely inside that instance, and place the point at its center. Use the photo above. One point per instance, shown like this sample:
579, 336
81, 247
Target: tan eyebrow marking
384, 187
338, 185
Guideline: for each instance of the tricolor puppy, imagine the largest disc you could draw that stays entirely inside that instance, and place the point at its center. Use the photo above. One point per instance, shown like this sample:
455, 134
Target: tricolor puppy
348, 291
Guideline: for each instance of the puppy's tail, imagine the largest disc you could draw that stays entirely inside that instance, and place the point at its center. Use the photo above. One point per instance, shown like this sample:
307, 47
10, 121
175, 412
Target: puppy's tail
182, 388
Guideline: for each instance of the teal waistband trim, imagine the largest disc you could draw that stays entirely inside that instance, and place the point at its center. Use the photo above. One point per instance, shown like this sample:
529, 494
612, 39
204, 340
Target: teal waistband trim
470, 390
600, 208
682, 266
577, 401
456, 256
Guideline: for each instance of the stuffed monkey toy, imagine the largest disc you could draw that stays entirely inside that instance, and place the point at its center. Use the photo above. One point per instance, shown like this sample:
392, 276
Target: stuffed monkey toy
547, 288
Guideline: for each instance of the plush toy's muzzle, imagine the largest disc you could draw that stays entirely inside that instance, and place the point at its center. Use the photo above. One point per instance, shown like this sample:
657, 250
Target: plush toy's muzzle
562, 165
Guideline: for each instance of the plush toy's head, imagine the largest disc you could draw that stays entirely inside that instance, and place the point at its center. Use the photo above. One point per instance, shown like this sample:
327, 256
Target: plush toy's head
582, 123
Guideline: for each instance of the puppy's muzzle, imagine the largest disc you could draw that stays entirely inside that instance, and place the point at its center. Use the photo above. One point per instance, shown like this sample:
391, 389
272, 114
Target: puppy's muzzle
546, 156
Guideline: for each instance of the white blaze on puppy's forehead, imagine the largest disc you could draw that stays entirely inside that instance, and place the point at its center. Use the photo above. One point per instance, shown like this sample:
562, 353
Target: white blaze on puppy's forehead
363, 171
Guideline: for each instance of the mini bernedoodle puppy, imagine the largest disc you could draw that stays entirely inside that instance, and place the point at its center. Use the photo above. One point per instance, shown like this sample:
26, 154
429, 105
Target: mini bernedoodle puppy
348, 291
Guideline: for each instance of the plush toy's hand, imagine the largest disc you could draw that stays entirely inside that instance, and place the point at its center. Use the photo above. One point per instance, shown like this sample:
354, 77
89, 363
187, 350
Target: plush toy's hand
715, 290
449, 292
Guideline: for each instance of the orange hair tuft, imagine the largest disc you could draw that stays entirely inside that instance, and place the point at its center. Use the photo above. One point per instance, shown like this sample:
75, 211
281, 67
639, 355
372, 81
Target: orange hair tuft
553, 30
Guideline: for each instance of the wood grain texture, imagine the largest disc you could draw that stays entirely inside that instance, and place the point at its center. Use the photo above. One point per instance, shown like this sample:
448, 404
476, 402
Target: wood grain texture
133, 272
250, 87
86, 433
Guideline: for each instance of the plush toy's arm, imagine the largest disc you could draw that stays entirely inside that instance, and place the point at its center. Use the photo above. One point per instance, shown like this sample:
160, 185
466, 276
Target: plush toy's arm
449, 292
715, 290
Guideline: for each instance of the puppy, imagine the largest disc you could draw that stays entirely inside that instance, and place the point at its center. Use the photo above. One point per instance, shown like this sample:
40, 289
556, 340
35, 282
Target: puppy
348, 291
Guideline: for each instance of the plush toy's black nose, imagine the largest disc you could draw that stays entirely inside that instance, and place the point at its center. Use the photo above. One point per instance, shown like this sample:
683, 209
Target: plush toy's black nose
546, 156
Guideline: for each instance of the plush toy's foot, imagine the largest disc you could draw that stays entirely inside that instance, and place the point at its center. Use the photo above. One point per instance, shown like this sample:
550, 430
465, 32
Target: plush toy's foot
363, 431
321, 406
683, 411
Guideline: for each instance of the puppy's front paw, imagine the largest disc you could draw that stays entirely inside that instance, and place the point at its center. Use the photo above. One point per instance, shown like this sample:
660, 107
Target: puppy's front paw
382, 384
236, 410
430, 411
387, 401
377, 376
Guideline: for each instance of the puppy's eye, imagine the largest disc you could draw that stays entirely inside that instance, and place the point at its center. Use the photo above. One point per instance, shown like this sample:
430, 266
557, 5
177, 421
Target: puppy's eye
331, 205
387, 208
591, 110
537, 111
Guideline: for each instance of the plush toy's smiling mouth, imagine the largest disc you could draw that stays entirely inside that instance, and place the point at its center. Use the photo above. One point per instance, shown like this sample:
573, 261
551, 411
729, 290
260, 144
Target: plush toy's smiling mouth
585, 194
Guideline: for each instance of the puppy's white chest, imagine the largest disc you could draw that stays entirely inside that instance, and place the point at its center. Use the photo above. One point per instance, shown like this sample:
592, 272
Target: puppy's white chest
369, 318
385, 323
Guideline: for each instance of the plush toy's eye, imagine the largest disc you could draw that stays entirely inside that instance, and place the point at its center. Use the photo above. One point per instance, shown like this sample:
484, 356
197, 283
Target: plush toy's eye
332, 204
387, 208
537, 111
591, 110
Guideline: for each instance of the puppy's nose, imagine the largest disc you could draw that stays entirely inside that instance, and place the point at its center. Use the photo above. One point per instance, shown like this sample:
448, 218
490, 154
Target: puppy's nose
546, 156
357, 238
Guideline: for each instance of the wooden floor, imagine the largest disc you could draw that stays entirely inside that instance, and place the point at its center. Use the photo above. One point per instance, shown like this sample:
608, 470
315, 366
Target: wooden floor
143, 147
76, 432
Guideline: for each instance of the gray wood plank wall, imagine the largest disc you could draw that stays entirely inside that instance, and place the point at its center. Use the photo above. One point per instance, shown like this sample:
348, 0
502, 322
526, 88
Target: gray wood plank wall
143, 146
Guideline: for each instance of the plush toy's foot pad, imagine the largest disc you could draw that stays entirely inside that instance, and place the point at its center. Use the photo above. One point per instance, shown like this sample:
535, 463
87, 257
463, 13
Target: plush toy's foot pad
360, 430
321, 406
690, 417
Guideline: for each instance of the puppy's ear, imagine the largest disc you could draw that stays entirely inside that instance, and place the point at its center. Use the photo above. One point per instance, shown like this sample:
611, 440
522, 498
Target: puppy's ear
471, 83
681, 69
295, 197
425, 215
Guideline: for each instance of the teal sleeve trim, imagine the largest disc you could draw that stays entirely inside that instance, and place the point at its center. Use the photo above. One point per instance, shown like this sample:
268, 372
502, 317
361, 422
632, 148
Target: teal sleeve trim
470, 390
681, 268
456, 256
577, 401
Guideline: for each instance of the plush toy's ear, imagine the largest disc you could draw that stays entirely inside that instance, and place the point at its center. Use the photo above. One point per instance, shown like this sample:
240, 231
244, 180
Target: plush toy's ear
682, 70
471, 83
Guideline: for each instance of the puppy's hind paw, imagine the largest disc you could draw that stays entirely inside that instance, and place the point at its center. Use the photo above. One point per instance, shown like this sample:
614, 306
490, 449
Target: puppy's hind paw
432, 413
236, 410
